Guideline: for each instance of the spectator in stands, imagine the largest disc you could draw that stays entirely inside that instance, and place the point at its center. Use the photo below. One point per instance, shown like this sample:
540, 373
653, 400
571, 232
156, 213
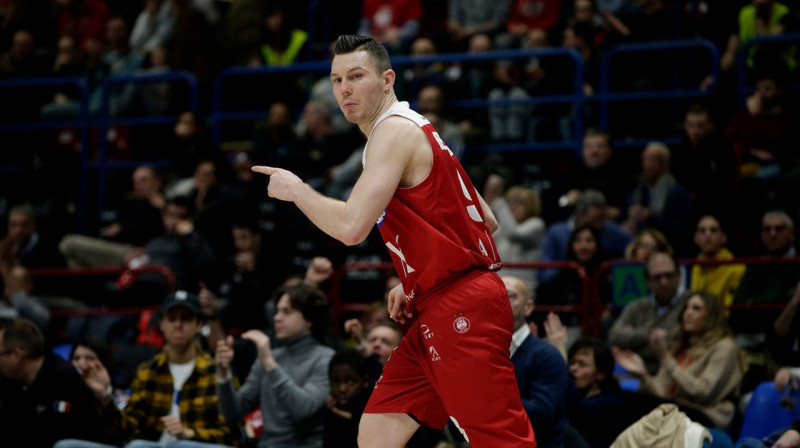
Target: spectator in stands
566, 287
721, 280
24, 245
540, 370
376, 345
651, 22
526, 15
181, 248
653, 316
467, 18
394, 23
704, 162
213, 205
417, 77
786, 332
580, 36
192, 46
765, 284
24, 15
432, 104
321, 145
88, 351
241, 31
762, 133
138, 221
350, 381
659, 200
44, 398
84, 21
508, 122
647, 241
700, 370
275, 141
120, 59
174, 396
282, 44
245, 281
599, 169
21, 60
289, 383
596, 411
521, 232
153, 27
472, 80
760, 18
18, 299
189, 144
588, 12
590, 208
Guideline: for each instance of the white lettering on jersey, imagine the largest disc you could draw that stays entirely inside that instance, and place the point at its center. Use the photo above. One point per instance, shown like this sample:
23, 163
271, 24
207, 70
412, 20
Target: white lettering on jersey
441, 143
471, 209
407, 269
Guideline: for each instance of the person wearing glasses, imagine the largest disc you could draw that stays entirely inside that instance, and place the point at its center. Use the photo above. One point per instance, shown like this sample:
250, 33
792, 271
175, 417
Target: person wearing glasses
756, 329
655, 315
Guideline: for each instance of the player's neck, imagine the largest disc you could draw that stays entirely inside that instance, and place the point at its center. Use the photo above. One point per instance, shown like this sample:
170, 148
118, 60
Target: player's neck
388, 101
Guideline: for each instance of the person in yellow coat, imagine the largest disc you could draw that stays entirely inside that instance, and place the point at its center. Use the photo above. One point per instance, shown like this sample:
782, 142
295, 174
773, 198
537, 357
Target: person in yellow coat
721, 280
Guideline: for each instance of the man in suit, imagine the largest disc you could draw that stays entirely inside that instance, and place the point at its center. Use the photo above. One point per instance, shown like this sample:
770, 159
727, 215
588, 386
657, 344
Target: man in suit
540, 370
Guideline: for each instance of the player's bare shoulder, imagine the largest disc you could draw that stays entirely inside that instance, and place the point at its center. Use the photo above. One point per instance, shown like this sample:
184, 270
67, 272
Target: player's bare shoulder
405, 140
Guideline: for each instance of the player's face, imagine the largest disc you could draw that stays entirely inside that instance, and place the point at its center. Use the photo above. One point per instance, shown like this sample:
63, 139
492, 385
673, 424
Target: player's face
358, 87
346, 383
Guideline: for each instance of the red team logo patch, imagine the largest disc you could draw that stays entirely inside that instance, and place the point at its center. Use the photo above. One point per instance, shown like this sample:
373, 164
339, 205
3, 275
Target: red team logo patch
461, 324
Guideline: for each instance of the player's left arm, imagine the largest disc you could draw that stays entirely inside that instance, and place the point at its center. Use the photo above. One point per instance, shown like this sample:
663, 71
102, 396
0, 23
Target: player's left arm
488, 216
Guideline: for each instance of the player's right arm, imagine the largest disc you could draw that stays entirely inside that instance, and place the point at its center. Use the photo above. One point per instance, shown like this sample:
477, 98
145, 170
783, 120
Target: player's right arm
392, 158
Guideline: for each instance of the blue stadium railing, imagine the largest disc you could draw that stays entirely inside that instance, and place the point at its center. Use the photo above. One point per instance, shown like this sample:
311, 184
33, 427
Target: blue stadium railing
322, 68
81, 123
604, 97
102, 122
105, 121
744, 85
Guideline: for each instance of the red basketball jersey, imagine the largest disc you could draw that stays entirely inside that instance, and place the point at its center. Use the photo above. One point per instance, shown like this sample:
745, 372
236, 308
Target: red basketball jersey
435, 231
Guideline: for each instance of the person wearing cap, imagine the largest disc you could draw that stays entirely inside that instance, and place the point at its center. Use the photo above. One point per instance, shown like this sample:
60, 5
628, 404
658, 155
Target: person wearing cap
174, 395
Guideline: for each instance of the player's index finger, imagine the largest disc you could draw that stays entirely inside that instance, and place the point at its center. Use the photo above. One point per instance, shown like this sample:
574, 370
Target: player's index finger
268, 170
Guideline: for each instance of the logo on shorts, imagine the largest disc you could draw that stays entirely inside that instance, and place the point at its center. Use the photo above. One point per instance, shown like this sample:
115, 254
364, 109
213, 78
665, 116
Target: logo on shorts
434, 354
461, 324
426, 332
379, 222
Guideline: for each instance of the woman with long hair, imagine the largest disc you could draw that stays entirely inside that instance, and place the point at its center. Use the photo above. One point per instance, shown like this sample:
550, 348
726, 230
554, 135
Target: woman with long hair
700, 370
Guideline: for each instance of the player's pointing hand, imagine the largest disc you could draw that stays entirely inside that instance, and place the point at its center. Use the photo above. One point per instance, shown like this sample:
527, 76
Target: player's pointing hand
283, 184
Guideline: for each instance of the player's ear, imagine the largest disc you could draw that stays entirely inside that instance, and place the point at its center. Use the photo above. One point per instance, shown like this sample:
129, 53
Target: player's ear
389, 77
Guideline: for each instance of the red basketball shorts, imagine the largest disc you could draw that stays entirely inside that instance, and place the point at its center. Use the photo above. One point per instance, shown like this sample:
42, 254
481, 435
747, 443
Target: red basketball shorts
454, 362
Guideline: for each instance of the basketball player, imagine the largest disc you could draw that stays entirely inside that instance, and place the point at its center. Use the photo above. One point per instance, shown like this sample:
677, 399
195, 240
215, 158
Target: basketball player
453, 362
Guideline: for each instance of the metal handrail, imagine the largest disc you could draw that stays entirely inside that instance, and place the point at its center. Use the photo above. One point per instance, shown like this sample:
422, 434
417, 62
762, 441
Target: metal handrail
105, 121
341, 306
577, 96
604, 96
741, 61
